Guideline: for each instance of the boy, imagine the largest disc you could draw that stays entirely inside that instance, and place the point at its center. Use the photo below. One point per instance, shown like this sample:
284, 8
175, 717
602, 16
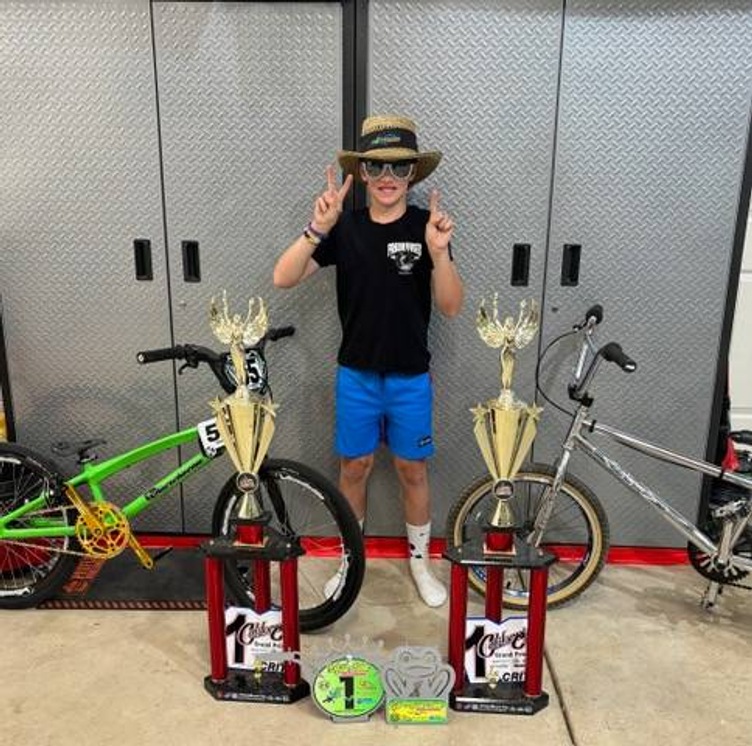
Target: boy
390, 259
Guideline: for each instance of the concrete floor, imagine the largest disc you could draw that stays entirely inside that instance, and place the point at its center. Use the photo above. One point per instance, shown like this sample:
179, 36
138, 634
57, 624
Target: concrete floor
634, 661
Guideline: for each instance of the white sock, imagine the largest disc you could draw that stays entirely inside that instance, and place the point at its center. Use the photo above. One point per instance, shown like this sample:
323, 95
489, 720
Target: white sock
429, 587
332, 586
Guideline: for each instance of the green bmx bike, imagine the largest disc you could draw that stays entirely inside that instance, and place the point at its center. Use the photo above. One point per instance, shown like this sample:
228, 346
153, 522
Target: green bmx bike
46, 525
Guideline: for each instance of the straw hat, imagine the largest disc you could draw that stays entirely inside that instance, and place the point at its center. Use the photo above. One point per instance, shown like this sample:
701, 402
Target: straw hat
389, 138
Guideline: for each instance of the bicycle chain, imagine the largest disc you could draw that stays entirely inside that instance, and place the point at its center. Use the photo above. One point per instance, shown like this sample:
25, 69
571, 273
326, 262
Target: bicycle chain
31, 545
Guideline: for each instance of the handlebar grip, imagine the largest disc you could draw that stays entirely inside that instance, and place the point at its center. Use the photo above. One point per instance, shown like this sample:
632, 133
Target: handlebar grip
613, 353
594, 312
280, 332
164, 353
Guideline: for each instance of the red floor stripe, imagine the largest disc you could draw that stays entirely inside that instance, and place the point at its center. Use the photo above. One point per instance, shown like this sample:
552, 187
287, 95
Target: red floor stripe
395, 547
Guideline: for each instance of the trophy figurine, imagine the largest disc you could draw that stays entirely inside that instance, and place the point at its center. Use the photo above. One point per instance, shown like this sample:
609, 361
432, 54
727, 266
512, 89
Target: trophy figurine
245, 420
505, 427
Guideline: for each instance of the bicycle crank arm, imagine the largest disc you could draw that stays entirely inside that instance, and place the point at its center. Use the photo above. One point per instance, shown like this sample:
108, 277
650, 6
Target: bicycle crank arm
143, 557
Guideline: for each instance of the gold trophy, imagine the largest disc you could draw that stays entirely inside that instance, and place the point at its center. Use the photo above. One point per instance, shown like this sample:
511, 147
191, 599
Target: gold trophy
505, 427
245, 420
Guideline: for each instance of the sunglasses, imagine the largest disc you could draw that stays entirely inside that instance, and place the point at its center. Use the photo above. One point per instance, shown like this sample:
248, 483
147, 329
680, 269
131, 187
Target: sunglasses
400, 170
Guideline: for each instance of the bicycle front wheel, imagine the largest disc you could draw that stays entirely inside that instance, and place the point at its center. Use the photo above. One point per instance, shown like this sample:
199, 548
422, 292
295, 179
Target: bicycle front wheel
302, 504
576, 532
31, 570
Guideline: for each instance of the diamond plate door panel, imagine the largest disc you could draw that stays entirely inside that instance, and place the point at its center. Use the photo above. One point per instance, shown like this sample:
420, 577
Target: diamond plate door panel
480, 79
250, 103
655, 105
80, 182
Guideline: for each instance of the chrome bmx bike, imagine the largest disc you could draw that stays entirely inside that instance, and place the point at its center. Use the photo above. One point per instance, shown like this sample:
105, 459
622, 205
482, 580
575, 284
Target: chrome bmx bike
561, 514
50, 521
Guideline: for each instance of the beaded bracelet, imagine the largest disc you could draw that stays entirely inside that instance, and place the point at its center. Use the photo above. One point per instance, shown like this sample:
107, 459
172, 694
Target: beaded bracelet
318, 234
313, 240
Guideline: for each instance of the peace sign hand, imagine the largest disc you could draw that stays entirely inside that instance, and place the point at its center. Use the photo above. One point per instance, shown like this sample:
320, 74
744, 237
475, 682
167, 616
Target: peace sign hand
439, 228
328, 207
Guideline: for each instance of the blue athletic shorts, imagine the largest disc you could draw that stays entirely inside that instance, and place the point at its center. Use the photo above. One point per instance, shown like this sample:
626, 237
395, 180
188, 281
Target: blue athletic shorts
389, 407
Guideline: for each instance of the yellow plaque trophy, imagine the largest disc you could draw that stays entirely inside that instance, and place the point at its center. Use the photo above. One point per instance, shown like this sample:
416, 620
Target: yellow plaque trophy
245, 421
505, 427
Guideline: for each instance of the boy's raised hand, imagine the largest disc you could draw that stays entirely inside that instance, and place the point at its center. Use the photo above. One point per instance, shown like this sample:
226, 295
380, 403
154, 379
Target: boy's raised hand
328, 207
439, 228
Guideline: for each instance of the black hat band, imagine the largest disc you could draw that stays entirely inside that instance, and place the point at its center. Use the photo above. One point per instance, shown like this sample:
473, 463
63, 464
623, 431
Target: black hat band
389, 138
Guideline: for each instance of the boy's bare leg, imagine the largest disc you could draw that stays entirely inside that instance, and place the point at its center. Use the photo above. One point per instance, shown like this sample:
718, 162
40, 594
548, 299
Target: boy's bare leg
353, 483
413, 478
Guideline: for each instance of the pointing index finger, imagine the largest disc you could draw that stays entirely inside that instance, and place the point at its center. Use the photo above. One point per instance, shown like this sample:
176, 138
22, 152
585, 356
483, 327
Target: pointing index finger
433, 202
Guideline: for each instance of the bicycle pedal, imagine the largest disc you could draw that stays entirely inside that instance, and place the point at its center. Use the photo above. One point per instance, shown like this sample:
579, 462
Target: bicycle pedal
161, 553
743, 437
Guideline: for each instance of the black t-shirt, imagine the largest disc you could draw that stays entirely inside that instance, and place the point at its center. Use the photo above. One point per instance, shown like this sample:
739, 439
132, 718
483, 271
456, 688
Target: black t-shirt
383, 290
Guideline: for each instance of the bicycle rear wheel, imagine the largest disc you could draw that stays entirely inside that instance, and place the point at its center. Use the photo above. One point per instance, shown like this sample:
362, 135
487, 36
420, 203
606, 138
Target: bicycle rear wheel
31, 570
576, 532
302, 504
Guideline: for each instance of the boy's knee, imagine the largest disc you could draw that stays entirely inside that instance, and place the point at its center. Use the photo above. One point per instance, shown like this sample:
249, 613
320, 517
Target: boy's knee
356, 469
411, 473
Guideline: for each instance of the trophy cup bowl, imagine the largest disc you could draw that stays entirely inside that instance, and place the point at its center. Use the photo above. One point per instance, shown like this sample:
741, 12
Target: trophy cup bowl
505, 427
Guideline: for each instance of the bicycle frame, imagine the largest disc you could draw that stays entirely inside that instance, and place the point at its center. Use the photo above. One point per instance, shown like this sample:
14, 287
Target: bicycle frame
576, 440
94, 475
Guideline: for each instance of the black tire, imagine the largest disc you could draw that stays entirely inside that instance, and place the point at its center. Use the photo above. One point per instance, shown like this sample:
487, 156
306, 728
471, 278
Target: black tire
303, 504
577, 533
31, 571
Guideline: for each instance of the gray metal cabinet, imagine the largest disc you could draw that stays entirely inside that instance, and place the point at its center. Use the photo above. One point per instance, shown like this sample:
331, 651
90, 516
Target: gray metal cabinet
651, 139
620, 128
168, 122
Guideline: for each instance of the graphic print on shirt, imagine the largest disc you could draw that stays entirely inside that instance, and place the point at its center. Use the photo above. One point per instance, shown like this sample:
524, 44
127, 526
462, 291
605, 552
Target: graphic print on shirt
404, 254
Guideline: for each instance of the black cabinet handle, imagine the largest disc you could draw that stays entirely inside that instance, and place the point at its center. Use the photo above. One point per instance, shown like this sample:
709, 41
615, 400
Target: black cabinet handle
142, 257
570, 265
521, 265
191, 261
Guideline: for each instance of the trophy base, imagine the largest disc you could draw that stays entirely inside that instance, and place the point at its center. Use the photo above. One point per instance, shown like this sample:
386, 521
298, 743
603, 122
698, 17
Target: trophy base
475, 553
248, 686
504, 699
276, 548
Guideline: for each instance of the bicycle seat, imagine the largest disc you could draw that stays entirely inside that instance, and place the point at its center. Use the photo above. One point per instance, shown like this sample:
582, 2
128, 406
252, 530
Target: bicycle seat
79, 447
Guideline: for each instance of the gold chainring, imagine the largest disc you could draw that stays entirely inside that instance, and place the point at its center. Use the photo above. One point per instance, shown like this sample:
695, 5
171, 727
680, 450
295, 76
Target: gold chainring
104, 531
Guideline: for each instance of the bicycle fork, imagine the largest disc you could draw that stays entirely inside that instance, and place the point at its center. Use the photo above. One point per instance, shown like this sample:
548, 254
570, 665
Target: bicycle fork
546, 505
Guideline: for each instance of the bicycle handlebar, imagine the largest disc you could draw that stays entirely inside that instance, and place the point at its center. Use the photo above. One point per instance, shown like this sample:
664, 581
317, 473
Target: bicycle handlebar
163, 353
611, 352
279, 333
593, 317
218, 362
